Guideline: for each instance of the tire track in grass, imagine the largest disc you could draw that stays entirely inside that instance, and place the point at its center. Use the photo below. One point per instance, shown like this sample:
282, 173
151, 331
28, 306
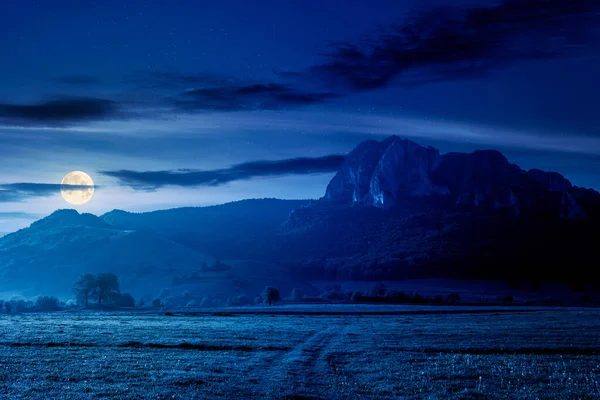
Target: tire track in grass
306, 371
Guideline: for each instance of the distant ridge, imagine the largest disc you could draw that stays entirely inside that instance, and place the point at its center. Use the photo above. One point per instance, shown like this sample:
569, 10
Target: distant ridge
394, 210
48, 256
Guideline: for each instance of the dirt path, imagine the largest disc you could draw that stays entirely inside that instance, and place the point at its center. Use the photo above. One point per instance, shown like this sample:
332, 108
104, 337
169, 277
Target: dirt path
309, 369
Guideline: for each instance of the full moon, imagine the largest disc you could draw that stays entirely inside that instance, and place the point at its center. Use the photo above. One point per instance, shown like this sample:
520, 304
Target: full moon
77, 196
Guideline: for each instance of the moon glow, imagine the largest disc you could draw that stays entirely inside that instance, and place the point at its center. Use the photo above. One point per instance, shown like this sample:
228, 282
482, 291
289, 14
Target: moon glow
77, 196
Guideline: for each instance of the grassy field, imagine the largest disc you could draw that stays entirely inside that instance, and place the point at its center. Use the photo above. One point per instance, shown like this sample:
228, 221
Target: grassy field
498, 354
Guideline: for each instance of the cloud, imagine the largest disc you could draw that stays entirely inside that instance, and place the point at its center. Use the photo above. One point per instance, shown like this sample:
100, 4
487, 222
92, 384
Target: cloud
78, 80
450, 43
260, 96
151, 180
18, 215
437, 45
21, 191
58, 112
190, 93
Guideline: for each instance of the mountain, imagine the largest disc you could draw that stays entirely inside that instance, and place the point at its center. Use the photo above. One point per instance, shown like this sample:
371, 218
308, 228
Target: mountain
378, 172
238, 230
48, 256
397, 209
395, 171
394, 210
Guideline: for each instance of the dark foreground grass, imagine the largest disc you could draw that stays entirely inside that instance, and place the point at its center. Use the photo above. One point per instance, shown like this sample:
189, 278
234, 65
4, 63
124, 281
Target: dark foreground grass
500, 355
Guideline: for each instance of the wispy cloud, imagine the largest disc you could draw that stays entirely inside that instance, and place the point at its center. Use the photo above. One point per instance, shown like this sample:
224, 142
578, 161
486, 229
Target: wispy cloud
18, 215
151, 180
449, 43
57, 112
21, 191
439, 44
261, 96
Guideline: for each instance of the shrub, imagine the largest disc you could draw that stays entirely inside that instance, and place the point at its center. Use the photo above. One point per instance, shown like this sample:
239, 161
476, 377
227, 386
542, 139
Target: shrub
19, 304
377, 290
271, 295
192, 303
415, 296
205, 302
46, 303
240, 300
508, 299
438, 299
125, 300
296, 295
166, 302
396, 296
453, 298
156, 303
7, 307
332, 295
71, 303
356, 296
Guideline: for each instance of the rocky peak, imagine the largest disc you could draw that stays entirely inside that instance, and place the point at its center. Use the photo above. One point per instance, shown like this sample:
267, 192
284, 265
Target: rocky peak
403, 170
552, 181
384, 174
352, 182
379, 173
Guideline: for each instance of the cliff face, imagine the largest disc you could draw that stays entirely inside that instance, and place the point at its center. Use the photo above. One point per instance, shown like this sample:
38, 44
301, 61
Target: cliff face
398, 210
403, 169
352, 183
378, 173
391, 172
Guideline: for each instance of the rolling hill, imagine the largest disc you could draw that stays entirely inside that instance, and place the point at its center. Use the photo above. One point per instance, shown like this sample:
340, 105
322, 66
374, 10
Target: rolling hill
394, 210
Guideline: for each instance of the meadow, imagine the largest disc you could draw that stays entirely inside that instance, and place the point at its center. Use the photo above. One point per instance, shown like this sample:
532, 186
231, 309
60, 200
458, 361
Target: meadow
318, 352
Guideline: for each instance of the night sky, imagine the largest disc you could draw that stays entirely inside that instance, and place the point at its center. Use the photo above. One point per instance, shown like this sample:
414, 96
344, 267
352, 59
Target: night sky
179, 103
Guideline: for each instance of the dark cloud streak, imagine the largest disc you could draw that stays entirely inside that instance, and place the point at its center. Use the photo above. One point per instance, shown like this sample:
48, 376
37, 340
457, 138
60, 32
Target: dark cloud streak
57, 112
21, 191
18, 215
437, 45
151, 180
448, 43
268, 96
